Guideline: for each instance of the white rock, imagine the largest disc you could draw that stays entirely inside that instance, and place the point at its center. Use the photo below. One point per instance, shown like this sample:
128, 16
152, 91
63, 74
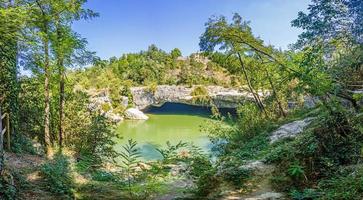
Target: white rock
134, 113
290, 130
113, 117
124, 101
254, 165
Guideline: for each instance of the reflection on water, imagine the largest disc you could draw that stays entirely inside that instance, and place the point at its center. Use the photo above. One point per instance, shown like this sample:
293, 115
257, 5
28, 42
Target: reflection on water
172, 122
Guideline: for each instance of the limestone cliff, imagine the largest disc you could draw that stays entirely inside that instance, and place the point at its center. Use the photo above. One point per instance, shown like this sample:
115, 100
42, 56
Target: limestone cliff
219, 96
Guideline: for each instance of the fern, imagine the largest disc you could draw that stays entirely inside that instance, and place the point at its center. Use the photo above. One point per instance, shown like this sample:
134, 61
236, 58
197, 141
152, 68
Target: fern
130, 157
171, 151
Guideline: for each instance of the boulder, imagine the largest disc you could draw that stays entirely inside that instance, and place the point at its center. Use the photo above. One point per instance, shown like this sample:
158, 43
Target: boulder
116, 118
135, 114
290, 130
124, 101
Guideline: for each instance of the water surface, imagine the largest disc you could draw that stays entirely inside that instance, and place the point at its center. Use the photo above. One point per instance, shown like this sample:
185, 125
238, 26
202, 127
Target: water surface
171, 122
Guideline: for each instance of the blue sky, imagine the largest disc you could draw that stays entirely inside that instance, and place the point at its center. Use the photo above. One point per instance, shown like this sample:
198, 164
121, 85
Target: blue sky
132, 25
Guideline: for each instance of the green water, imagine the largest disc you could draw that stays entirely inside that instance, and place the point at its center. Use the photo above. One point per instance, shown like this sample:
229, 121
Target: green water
161, 128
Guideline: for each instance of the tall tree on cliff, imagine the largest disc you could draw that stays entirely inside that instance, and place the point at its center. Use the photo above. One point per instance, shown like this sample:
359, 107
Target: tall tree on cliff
238, 42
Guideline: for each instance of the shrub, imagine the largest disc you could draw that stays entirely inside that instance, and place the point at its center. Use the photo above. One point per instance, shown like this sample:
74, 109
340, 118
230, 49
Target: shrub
152, 87
106, 107
58, 175
89, 134
345, 185
7, 189
205, 174
251, 121
200, 95
170, 153
332, 142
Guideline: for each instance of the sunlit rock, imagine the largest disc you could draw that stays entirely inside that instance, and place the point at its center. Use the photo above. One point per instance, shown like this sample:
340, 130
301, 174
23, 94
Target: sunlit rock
290, 130
135, 114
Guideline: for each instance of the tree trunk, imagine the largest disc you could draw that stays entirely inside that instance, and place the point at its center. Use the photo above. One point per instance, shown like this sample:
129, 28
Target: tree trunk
282, 112
1, 143
61, 102
60, 63
46, 98
255, 95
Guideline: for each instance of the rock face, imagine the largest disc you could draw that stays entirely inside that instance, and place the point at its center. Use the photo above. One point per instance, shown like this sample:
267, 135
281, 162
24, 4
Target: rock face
290, 130
99, 101
220, 96
135, 114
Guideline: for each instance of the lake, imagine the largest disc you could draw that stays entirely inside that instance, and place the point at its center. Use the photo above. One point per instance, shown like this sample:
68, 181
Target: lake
171, 122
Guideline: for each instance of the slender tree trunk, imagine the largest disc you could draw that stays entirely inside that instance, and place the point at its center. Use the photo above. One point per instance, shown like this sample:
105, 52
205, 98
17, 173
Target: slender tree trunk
1, 142
255, 95
45, 29
47, 139
61, 103
60, 63
282, 111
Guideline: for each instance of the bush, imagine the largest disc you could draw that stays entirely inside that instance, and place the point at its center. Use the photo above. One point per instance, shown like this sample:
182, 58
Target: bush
89, 134
58, 175
7, 189
344, 185
200, 95
205, 174
106, 107
152, 87
334, 141
251, 121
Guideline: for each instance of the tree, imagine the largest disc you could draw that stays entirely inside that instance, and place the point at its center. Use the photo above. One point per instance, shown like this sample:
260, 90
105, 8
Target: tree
11, 21
67, 44
333, 30
330, 19
175, 53
239, 43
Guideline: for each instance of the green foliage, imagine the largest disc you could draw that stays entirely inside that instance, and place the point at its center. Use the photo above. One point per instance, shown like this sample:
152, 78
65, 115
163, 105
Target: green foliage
175, 53
332, 142
200, 95
151, 67
171, 151
31, 107
329, 19
88, 134
7, 189
130, 157
57, 172
347, 184
106, 107
250, 120
151, 88
305, 194
232, 172
205, 173
296, 171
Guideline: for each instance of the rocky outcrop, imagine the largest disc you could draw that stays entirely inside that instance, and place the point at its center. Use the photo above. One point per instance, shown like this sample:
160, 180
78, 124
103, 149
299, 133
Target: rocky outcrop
135, 114
100, 101
219, 96
290, 130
